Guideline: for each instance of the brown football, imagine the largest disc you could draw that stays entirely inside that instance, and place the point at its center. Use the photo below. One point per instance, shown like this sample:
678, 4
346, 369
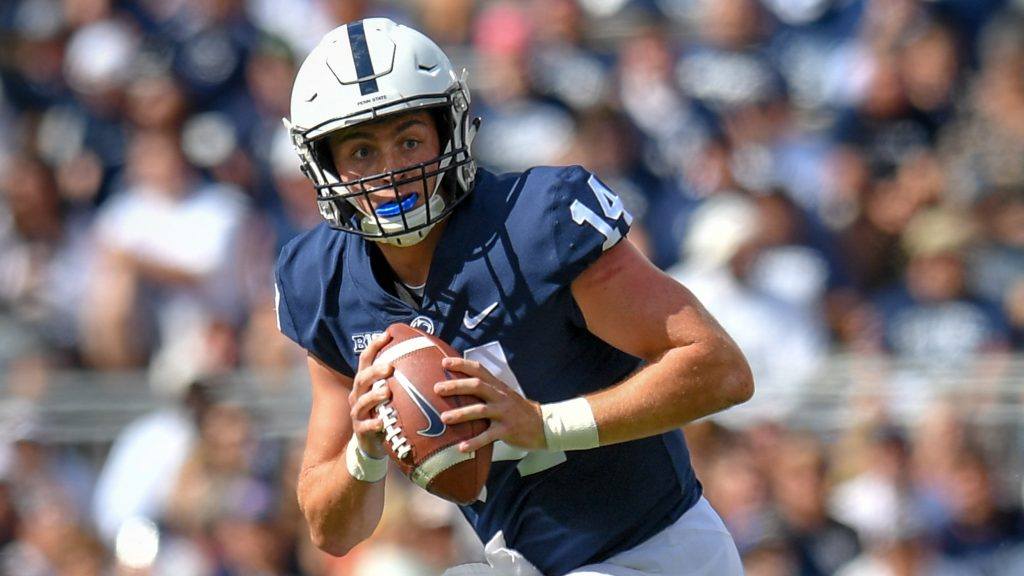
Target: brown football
424, 447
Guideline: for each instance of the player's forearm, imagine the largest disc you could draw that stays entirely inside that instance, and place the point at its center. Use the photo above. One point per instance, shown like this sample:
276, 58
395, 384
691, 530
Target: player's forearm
684, 384
340, 510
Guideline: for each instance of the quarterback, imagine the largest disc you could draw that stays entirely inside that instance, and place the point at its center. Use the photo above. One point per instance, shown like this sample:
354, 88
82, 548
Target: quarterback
586, 357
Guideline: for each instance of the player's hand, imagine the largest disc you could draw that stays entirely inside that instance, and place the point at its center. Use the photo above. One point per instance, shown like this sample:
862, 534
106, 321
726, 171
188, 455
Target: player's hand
363, 399
514, 419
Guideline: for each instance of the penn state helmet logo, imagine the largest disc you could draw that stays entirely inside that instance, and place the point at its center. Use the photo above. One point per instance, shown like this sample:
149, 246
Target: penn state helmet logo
423, 323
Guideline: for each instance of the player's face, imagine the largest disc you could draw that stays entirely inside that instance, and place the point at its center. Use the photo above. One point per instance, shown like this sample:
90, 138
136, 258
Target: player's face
387, 145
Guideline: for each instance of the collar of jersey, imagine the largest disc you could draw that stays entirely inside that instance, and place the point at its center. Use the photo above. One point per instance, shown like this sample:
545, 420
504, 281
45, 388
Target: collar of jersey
386, 305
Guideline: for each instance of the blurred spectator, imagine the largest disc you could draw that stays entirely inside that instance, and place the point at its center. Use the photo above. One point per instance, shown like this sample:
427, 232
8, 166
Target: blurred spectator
216, 475
447, 22
724, 241
245, 536
562, 67
32, 71
522, 130
212, 42
52, 543
294, 211
652, 100
797, 262
883, 122
86, 133
881, 484
932, 314
255, 113
997, 267
171, 238
38, 470
808, 44
136, 480
986, 142
930, 64
981, 527
799, 477
726, 68
939, 438
42, 255
903, 548
155, 102
737, 490
770, 551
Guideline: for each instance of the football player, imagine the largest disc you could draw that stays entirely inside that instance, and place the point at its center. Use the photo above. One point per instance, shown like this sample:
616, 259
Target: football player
587, 358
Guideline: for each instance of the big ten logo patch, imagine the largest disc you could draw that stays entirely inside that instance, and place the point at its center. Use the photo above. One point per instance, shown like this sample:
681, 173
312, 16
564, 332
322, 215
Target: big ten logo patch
361, 341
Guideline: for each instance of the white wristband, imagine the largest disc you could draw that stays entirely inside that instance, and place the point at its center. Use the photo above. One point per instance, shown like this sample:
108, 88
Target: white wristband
362, 466
569, 425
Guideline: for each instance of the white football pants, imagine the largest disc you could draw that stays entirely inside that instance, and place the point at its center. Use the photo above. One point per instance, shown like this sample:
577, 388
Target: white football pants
697, 544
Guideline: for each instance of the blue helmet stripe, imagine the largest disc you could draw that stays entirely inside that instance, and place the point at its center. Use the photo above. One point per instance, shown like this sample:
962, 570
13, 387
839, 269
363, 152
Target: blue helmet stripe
361, 57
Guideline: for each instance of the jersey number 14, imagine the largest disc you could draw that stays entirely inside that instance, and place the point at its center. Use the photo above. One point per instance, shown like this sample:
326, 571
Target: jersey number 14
611, 206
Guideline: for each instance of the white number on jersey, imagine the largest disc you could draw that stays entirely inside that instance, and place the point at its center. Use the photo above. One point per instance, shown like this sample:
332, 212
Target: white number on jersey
611, 206
492, 357
277, 306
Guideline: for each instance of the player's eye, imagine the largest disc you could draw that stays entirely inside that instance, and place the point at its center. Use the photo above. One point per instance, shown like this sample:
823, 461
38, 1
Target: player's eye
361, 153
410, 144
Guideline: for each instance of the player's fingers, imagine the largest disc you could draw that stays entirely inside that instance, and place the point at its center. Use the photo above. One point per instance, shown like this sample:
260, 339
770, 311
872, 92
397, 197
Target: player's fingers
479, 441
471, 386
467, 367
472, 368
365, 379
370, 352
371, 426
466, 413
365, 403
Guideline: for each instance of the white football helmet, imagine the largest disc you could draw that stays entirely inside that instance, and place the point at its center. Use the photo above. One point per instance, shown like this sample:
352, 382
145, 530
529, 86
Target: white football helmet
360, 72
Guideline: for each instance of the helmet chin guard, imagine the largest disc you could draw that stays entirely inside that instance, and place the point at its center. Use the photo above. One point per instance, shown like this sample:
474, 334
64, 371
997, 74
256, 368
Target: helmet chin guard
415, 227
361, 72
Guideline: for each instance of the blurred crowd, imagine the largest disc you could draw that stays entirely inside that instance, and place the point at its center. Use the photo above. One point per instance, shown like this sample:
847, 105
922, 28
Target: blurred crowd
826, 175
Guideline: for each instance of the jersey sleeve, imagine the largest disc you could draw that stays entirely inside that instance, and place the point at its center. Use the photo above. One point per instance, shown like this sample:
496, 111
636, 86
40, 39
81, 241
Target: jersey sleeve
299, 298
588, 219
562, 221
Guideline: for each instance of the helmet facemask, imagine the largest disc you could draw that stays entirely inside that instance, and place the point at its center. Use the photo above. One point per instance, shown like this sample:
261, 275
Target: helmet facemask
344, 205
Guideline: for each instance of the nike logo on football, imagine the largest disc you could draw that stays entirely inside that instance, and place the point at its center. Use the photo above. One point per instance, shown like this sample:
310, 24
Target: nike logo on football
435, 426
472, 322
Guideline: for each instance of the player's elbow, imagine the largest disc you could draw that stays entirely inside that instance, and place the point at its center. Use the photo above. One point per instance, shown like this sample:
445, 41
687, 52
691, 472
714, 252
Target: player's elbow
737, 381
740, 386
333, 546
331, 537
725, 371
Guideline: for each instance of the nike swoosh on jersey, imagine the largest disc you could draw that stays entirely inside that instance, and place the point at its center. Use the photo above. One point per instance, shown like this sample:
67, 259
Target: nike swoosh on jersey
435, 426
472, 322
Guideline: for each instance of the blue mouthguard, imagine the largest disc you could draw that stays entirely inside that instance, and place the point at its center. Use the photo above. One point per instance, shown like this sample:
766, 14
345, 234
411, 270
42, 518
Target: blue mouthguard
392, 208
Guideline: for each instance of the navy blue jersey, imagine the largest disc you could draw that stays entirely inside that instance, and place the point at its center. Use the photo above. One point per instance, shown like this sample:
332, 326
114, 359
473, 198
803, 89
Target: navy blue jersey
499, 291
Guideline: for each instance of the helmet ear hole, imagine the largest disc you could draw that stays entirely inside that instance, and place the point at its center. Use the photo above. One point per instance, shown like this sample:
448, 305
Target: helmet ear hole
444, 124
321, 152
